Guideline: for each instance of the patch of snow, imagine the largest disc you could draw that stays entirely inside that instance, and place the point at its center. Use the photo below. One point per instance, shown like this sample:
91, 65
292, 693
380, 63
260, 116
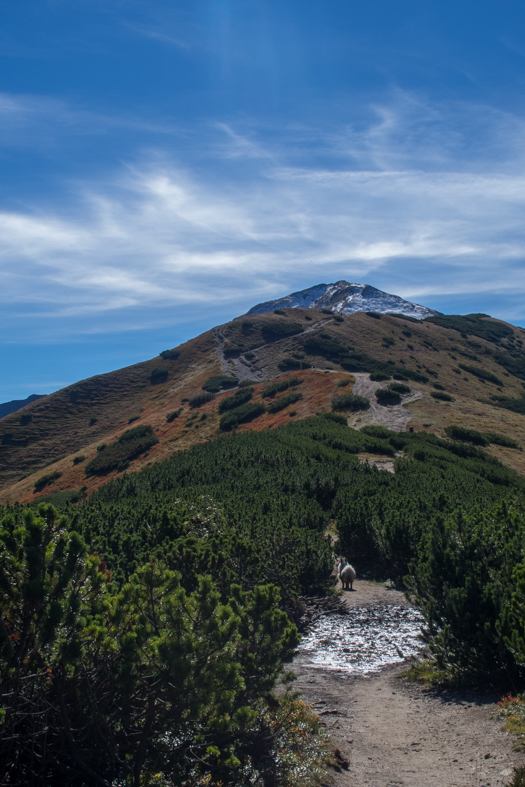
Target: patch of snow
363, 641
343, 297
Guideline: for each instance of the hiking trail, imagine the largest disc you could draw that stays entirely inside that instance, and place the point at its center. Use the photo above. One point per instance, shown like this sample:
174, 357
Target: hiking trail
400, 734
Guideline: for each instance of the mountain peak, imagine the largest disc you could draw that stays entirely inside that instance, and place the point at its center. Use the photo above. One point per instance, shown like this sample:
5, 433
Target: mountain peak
346, 298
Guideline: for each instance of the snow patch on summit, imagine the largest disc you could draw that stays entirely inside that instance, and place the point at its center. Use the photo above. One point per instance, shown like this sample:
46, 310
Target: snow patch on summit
346, 298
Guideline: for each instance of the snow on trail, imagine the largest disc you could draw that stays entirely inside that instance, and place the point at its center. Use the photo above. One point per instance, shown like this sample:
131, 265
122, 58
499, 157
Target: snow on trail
363, 641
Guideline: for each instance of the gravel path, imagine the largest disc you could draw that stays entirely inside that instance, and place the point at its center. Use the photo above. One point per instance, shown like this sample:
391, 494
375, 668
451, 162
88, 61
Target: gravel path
395, 417
400, 734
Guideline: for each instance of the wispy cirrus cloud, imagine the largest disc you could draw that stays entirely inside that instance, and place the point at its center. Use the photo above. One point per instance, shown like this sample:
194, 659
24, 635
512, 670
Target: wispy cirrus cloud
394, 202
35, 121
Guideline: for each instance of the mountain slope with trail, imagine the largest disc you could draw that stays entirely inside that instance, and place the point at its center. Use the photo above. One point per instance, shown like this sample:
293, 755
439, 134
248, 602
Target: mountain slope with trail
59, 434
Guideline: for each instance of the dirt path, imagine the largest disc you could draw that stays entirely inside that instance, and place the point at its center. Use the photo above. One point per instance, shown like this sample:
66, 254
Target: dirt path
400, 734
395, 417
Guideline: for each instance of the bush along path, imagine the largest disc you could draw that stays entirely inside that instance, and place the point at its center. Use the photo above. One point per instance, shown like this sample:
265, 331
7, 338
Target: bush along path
387, 731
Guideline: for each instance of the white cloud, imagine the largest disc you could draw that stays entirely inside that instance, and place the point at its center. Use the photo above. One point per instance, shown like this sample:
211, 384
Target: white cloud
395, 201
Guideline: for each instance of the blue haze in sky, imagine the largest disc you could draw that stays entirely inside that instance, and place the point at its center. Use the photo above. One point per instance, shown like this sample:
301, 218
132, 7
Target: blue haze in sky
167, 165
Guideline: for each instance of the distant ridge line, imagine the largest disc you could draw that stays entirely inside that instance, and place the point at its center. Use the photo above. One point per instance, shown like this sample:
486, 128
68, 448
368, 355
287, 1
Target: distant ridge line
17, 404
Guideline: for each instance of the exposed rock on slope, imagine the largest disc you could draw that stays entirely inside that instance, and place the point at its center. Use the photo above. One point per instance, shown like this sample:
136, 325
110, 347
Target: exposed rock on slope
345, 298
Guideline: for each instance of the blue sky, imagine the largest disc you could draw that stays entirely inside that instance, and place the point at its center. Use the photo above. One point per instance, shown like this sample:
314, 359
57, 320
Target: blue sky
167, 165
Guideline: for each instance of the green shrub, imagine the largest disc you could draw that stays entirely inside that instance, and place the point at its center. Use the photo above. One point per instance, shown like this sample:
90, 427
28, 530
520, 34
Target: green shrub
203, 662
25, 419
475, 325
399, 388
326, 346
386, 396
507, 403
289, 364
376, 431
233, 350
282, 385
415, 376
375, 315
404, 317
79, 459
47, 480
242, 396
169, 355
481, 374
133, 418
466, 435
379, 377
61, 499
442, 396
398, 376
339, 419
158, 376
117, 455
174, 414
338, 318
438, 386
241, 415
343, 383
350, 402
279, 311
249, 356
283, 402
501, 439
466, 579
247, 383
200, 399
326, 311
219, 383
274, 331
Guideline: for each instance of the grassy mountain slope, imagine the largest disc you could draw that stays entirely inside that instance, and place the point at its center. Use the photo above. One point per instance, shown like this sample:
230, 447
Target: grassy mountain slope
468, 361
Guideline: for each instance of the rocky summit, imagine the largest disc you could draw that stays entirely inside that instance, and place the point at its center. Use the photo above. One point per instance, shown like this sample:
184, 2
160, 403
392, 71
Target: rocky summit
346, 298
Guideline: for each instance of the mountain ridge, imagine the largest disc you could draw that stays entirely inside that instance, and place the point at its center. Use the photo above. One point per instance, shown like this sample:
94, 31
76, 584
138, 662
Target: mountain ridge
344, 297
462, 370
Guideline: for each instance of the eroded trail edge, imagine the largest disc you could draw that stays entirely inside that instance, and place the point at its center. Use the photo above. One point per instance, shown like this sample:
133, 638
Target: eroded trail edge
400, 734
